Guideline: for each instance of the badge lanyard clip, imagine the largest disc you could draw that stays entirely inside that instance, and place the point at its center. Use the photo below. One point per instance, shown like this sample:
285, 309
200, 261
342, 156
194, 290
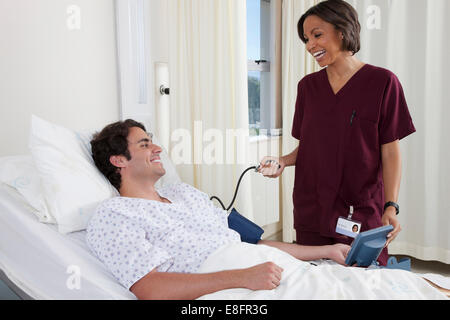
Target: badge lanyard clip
350, 214
347, 226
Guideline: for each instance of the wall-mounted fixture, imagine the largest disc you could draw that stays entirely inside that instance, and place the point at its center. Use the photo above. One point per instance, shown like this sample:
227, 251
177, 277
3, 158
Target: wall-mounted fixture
163, 90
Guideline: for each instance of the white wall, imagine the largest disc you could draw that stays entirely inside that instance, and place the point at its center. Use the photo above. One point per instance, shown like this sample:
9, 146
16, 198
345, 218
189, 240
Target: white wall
142, 45
159, 30
159, 53
65, 76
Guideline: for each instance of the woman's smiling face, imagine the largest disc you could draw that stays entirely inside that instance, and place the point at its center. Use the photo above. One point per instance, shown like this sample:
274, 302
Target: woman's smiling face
323, 41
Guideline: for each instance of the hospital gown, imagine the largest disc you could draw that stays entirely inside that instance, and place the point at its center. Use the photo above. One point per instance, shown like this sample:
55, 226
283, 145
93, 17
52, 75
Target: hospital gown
133, 236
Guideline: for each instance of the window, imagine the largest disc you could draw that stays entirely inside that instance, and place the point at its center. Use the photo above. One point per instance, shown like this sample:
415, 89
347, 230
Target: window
260, 53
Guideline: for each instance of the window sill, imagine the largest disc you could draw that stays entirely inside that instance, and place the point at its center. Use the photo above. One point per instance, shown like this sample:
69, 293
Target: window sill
260, 138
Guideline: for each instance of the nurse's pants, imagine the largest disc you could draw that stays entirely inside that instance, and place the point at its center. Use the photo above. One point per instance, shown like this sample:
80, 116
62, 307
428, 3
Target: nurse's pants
315, 239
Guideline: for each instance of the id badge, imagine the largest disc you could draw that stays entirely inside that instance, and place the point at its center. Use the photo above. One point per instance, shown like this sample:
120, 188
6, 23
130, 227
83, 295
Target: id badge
348, 227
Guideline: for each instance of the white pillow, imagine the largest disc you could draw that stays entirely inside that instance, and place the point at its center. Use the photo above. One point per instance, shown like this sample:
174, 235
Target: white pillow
19, 172
71, 183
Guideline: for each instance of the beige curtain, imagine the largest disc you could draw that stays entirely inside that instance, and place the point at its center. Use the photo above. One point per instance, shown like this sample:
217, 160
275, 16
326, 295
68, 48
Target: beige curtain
418, 54
209, 99
296, 63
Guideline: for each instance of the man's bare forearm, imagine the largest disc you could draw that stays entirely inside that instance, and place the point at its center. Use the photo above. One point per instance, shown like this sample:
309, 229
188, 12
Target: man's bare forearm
305, 253
336, 252
184, 286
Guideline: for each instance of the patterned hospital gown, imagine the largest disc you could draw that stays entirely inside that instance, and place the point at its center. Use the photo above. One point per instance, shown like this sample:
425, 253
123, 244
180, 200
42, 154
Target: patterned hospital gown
132, 236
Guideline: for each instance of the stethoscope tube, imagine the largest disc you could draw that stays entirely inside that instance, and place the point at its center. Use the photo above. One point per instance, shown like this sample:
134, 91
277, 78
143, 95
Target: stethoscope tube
237, 188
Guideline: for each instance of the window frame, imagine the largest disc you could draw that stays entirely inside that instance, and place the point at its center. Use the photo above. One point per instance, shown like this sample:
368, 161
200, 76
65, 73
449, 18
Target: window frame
270, 109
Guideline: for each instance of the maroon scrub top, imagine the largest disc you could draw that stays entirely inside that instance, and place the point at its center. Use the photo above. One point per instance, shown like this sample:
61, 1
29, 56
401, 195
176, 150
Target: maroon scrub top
339, 158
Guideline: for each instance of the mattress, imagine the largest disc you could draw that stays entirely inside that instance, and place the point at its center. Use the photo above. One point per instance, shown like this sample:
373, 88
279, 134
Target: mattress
46, 264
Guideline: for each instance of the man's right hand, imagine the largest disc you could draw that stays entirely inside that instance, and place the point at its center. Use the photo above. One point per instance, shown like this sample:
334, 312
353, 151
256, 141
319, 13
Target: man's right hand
264, 276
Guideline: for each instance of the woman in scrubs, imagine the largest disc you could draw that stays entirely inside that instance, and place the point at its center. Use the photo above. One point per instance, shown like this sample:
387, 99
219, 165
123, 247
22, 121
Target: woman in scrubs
349, 118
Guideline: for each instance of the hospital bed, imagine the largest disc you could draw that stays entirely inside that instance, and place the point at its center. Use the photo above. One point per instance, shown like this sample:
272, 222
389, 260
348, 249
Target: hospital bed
42, 263
38, 261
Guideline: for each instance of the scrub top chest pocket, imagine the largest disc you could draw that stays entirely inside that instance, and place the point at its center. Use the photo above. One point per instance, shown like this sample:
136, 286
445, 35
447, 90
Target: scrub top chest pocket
363, 139
361, 155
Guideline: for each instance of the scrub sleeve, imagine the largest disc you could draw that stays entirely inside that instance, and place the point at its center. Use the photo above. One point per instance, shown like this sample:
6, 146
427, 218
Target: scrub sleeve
339, 159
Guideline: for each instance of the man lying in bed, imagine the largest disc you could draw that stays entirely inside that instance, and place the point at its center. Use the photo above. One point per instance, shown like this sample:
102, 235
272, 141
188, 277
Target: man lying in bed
154, 241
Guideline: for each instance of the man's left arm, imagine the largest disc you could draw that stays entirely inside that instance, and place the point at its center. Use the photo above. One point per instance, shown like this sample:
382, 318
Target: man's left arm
336, 252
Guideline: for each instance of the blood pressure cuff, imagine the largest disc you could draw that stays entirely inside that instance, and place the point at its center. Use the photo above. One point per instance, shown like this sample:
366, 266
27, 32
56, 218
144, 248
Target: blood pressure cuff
249, 231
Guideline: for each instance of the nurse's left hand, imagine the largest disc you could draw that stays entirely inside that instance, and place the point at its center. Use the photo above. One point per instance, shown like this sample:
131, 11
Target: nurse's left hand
390, 218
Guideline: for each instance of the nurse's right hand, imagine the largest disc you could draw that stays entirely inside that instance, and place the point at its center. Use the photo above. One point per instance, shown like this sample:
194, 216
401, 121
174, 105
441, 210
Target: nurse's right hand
271, 167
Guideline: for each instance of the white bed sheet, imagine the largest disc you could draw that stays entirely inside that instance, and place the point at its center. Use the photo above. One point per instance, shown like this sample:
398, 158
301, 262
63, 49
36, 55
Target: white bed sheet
330, 281
45, 264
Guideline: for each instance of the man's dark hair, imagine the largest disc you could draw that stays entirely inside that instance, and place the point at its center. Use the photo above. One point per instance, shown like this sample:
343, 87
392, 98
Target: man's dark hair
112, 141
344, 18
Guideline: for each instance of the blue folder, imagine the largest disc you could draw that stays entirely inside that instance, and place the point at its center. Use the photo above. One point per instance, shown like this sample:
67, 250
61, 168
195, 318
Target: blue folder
367, 248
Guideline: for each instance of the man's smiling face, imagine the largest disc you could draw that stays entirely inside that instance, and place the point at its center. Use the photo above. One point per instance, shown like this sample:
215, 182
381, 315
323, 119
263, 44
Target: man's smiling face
145, 161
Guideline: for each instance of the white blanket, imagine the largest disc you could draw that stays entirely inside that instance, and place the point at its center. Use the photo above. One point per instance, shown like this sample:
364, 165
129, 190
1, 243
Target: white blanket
302, 280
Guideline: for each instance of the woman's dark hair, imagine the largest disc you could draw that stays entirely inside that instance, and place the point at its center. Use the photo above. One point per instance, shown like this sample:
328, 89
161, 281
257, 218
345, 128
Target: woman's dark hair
112, 141
340, 14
